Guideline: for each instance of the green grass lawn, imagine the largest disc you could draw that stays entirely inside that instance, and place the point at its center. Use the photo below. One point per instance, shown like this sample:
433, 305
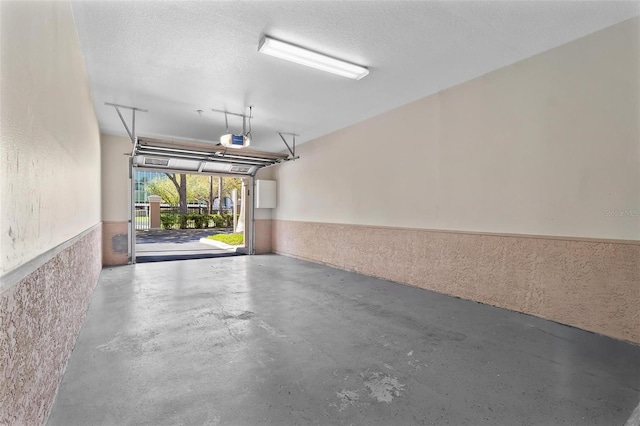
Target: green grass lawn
231, 239
142, 223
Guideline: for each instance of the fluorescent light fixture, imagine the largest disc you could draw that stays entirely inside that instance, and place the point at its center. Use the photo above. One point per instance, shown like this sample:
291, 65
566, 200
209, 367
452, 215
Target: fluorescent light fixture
302, 56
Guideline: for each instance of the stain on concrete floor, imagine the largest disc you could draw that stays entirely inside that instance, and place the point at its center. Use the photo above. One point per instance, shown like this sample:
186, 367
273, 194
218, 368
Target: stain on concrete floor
382, 387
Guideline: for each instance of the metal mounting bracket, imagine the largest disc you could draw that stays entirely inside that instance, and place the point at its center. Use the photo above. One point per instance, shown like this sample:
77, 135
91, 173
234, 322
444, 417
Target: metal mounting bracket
292, 147
244, 119
132, 132
235, 113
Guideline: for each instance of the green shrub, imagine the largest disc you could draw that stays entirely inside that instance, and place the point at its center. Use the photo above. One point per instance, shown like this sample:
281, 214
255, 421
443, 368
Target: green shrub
218, 221
228, 220
182, 221
190, 221
167, 220
185, 221
199, 220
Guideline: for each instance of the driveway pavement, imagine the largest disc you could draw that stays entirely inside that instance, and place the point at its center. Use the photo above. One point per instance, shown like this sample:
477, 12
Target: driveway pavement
155, 245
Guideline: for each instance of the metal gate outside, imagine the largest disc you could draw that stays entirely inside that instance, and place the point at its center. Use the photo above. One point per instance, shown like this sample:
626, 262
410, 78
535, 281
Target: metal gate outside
142, 220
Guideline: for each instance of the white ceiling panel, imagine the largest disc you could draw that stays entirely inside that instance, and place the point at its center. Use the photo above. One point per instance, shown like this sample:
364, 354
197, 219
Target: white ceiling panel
174, 58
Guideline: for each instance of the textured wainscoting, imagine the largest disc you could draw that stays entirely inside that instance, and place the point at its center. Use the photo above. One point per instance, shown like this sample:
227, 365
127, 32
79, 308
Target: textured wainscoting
593, 285
40, 317
115, 243
262, 236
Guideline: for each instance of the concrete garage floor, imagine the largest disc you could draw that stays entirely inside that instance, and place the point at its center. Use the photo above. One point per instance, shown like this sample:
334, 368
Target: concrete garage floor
273, 340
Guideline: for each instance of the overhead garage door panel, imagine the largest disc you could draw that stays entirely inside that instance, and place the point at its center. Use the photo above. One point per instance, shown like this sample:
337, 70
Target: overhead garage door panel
201, 157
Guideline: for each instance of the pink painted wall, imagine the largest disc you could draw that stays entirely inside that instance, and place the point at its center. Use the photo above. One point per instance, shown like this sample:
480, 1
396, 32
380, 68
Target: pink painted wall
589, 284
263, 236
41, 317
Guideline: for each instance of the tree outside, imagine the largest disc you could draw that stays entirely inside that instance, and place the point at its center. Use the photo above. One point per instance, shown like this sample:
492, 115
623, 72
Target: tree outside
183, 189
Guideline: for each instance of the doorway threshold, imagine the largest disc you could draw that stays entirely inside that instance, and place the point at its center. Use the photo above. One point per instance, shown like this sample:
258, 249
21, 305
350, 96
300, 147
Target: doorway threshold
166, 257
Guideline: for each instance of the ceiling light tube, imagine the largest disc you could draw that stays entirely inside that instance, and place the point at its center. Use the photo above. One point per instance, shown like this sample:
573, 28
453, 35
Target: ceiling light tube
299, 55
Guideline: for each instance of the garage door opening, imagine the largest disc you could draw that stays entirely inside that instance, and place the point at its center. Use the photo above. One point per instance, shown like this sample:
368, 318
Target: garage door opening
182, 216
177, 158
182, 193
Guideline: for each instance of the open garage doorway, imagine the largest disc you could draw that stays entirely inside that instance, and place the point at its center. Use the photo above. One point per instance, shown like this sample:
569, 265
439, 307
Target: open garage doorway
180, 216
183, 192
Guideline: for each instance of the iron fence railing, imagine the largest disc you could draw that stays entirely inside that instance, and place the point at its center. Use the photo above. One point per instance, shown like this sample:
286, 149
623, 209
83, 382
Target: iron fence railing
143, 222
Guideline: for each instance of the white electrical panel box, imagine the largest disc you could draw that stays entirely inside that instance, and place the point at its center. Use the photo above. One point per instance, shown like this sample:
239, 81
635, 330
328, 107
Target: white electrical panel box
265, 194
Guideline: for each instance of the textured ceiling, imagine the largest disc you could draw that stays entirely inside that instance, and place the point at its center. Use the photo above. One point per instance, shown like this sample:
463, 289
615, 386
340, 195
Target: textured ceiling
174, 58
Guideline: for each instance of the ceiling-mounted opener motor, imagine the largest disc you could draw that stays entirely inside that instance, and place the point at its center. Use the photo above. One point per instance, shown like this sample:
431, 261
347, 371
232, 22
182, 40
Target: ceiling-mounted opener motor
231, 140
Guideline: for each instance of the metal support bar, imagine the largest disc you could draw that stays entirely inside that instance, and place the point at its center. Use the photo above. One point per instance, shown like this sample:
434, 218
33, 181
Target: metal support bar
275, 163
132, 214
124, 124
232, 113
132, 132
126, 107
134, 148
292, 151
252, 224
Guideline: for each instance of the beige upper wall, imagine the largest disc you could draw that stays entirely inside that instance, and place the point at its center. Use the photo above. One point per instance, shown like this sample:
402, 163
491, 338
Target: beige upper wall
547, 146
49, 137
116, 151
